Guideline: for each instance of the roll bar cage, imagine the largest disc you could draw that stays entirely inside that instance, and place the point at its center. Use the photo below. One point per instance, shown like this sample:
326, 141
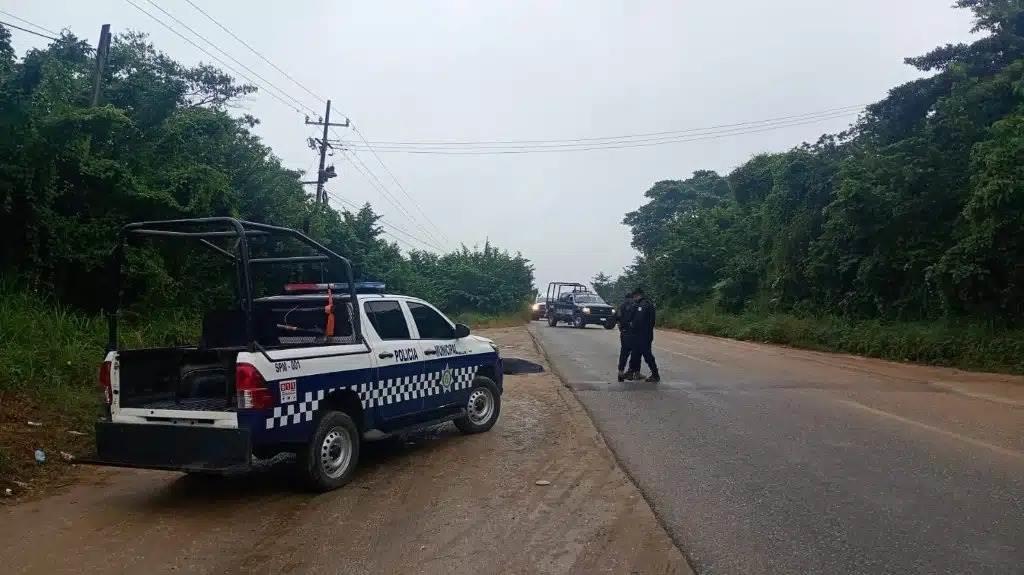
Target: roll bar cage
555, 290
205, 229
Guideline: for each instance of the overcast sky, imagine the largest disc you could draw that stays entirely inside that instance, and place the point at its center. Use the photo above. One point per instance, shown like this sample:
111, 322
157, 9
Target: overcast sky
538, 70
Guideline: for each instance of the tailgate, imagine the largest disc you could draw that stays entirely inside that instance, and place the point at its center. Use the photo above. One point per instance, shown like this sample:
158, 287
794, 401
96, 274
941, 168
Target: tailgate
172, 447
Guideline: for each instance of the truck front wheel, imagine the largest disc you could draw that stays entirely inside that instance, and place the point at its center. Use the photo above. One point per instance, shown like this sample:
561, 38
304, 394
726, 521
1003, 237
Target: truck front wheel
328, 461
482, 408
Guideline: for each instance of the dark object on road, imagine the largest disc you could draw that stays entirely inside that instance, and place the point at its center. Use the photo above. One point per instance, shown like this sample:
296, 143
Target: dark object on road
577, 305
641, 334
519, 366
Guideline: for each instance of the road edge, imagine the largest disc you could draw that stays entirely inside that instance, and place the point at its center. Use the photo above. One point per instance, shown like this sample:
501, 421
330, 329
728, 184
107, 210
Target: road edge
568, 394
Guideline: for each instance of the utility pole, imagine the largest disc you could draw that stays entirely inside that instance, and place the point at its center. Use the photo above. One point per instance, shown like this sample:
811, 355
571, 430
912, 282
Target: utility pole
324, 173
102, 49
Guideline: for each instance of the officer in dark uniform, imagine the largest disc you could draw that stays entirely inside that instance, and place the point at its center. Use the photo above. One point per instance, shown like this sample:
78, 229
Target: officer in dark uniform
641, 336
623, 317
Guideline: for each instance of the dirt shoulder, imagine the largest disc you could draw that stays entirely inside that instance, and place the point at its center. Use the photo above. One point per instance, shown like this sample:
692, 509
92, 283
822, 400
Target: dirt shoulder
59, 426
443, 503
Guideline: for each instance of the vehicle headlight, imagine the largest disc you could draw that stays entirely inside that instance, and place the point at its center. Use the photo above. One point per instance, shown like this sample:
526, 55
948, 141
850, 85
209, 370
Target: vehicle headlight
586, 310
536, 306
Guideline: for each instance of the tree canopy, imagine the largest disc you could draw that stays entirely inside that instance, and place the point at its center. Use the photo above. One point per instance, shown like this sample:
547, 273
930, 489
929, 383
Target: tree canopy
168, 142
916, 212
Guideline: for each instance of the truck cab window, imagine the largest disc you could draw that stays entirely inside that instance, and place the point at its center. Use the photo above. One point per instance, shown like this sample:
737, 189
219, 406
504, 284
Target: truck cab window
387, 319
430, 324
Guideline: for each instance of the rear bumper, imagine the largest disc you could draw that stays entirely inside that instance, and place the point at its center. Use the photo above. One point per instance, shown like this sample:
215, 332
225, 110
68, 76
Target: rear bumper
172, 447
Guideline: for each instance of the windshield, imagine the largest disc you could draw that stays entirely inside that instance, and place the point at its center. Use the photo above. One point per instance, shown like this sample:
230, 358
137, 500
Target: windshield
588, 298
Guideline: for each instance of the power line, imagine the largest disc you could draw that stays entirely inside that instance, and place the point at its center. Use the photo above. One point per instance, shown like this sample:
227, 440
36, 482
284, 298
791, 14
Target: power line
567, 141
656, 140
264, 58
309, 91
613, 146
384, 222
233, 59
381, 188
371, 178
255, 51
30, 23
398, 183
208, 53
375, 181
27, 30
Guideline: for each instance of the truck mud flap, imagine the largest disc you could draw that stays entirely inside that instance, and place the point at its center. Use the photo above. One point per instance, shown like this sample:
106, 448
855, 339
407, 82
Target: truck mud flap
172, 448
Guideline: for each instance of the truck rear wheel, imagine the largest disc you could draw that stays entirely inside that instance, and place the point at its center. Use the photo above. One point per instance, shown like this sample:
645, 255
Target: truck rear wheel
482, 408
328, 461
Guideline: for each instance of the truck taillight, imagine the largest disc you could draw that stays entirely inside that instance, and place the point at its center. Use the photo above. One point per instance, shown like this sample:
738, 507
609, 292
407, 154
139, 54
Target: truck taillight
108, 391
251, 388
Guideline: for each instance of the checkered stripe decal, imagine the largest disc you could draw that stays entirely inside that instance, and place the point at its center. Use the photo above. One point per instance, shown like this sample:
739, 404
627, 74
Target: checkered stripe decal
379, 393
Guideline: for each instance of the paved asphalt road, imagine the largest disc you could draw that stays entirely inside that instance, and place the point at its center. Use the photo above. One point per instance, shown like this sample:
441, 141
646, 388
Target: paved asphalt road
761, 459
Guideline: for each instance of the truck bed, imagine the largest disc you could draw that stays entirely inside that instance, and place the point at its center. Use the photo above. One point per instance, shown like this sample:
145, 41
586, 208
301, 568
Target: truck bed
187, 379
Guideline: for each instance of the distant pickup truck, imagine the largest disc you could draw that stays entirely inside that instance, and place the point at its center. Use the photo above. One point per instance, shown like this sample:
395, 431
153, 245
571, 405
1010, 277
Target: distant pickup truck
313, 371
573, 303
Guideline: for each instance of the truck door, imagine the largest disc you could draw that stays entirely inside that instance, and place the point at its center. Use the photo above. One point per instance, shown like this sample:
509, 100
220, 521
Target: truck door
393, 394
445, 374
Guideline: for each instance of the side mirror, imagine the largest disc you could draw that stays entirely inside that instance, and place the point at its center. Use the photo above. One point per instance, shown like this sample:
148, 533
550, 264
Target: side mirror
461, 330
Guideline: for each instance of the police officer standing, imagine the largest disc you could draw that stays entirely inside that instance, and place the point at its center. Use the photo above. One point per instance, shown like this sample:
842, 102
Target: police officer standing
623, 317
641, 336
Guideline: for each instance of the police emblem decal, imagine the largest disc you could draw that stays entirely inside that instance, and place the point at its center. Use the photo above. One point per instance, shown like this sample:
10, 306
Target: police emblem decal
446, 378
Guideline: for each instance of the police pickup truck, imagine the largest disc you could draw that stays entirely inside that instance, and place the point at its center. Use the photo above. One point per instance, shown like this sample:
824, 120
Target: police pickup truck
573, 303
314, 371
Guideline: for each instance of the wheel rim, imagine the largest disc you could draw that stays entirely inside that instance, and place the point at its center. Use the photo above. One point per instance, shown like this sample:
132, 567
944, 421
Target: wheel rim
336, 452
579, 321
480, 405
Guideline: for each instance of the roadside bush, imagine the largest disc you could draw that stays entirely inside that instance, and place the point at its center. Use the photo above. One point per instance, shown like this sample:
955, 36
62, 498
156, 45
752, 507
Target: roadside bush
968, 346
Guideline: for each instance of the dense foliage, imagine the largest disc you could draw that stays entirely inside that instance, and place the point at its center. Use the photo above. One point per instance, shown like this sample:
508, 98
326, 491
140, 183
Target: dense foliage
915, 213
167, 143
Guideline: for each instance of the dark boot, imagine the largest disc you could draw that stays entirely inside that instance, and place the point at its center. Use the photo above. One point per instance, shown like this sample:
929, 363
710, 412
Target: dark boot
622, 376
654, 378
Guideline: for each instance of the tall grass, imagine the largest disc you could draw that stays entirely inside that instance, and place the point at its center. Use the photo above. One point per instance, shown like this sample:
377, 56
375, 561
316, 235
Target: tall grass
486, 321
967, 346
47, 348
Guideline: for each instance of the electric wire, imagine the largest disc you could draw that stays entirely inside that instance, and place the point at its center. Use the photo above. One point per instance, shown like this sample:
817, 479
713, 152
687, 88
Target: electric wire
208, 53
29, 22
585, 148
572, 141
232, 58
16, 27
255, 51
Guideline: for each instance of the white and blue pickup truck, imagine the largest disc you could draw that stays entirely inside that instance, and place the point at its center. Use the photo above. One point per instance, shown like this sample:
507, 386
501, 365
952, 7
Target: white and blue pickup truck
315, 370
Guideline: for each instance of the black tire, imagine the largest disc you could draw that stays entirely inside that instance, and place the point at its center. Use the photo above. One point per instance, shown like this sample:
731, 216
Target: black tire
474, 421
552, 321
609, 324
578, 322
314, 459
